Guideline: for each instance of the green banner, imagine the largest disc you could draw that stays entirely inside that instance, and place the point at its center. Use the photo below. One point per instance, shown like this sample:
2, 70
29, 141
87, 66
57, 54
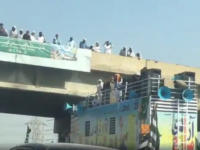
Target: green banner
44, 54
25, 47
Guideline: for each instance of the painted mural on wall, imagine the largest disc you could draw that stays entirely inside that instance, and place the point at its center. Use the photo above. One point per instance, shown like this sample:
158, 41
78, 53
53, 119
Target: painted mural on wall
125, 128
44, 54
177, 132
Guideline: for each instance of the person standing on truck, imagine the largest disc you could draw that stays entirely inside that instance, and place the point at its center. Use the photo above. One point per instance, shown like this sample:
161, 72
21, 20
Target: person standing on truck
99, 91
118, 87
112, 91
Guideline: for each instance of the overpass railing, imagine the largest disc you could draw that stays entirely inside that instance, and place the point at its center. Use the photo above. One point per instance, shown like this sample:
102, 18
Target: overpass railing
134, 90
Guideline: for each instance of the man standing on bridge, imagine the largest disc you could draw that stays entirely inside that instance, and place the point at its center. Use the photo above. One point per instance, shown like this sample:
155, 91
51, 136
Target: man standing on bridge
27, 36
13, 32
83, 44
3, 31
56, 40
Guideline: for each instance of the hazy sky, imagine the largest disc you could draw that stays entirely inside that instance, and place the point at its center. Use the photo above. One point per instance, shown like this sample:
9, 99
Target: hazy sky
12, 128
165, 30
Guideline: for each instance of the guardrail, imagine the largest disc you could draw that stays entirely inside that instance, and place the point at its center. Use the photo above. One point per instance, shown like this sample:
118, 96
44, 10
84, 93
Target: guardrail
138, 89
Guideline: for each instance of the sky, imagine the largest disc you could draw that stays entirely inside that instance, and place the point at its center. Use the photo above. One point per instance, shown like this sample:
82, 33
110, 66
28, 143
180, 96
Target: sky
162, 30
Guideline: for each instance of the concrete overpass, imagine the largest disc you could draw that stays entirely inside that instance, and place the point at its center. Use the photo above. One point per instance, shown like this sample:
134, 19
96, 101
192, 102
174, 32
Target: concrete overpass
36, 90
37, 79
43, 91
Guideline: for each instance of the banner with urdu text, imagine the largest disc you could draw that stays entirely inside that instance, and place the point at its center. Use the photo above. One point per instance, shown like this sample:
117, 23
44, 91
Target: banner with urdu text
44, 54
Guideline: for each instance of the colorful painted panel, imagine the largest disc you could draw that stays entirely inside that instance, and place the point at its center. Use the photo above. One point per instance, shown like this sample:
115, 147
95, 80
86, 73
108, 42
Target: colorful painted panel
177, 131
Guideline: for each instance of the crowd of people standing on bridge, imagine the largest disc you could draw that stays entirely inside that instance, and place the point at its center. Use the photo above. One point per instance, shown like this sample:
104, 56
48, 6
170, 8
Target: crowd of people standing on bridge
14, 33
32, 36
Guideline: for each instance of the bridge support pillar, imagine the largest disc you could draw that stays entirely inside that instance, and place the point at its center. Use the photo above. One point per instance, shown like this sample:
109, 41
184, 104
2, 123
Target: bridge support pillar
62, 128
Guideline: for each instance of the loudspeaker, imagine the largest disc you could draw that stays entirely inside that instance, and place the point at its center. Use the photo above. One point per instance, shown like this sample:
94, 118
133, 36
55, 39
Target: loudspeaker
164, 93
187, 95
